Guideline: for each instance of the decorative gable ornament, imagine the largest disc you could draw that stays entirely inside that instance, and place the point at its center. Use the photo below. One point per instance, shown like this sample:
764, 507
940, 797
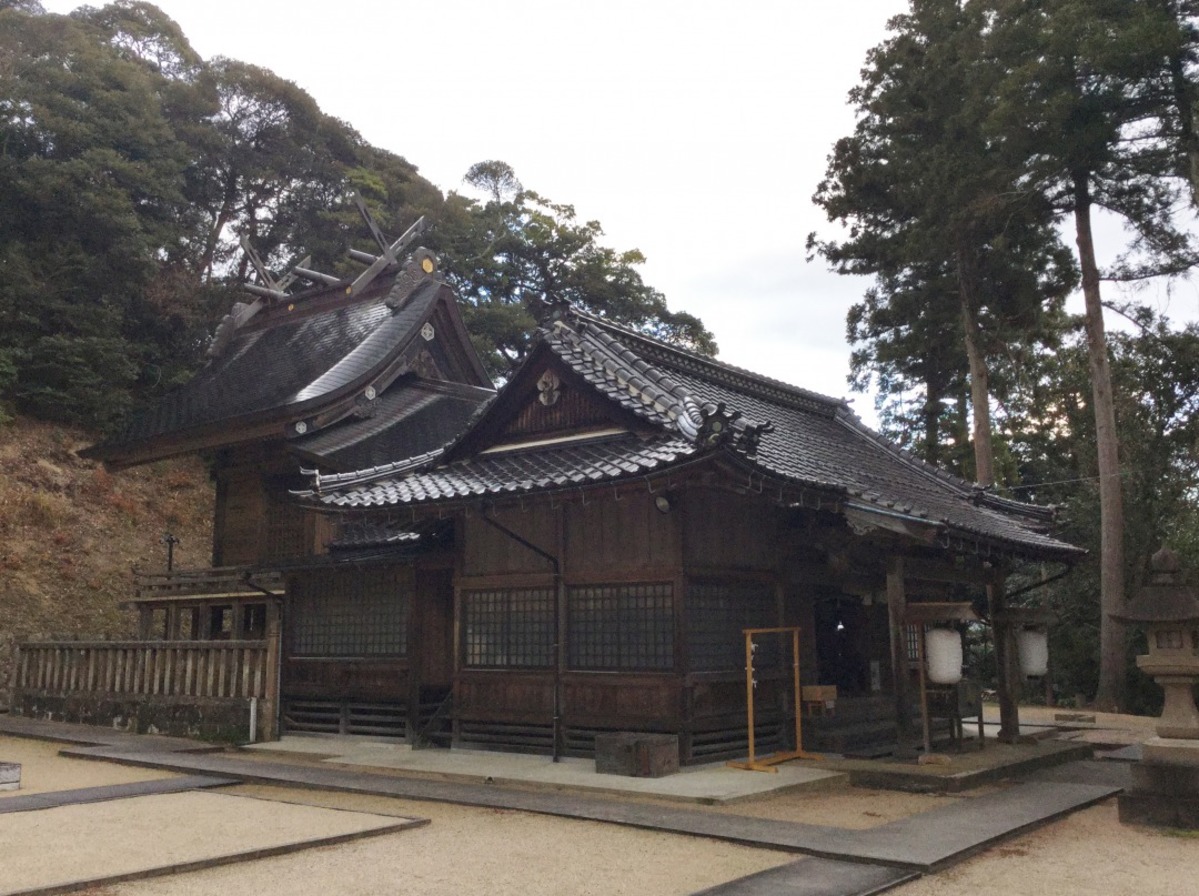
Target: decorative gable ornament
751, 437
717, 426
549, 388
366, 404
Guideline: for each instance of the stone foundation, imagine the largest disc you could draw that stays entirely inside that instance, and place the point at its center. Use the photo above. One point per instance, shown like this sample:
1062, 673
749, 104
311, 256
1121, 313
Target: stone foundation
1165, 786
222, 721
637, 755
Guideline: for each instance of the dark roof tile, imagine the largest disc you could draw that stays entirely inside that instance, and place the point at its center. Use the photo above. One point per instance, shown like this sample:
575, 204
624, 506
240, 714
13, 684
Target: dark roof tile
284, 364
565, 466
816, 441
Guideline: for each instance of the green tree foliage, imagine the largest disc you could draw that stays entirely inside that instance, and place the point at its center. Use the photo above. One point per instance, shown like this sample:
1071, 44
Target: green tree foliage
1059, 108
140, 32
1090, 103
965, 263
130, 169
1155, 372
90, 190
270, 162
517, 249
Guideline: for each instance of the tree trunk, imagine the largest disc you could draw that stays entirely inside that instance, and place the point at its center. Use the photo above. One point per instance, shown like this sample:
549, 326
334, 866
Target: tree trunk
1110, 695
931, 412
980, 378
223, 216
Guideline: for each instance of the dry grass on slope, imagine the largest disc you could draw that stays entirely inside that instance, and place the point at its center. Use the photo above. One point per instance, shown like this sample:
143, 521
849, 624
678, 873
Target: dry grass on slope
71, 533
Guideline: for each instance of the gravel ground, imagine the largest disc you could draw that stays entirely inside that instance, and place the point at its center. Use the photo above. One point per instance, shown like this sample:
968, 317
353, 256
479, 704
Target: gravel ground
42, 769
90, 841
484, 851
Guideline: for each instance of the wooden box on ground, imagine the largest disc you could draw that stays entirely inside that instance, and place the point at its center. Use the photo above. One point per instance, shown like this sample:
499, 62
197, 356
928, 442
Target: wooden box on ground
819, 698
636, 755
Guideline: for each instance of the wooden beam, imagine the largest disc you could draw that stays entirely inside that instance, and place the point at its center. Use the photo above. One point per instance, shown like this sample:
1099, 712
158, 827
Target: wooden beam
865, 519
316, 276
390, 256
263, 274
377, 233
925, 570
930, 612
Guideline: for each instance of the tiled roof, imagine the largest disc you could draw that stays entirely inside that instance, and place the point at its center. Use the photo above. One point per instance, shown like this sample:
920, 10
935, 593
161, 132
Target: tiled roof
286, 364
579, 463
625, 378
819, 441
783, 432
411, 417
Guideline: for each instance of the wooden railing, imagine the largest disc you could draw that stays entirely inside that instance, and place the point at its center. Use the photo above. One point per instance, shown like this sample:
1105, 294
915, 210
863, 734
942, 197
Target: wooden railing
220, 581
207, 669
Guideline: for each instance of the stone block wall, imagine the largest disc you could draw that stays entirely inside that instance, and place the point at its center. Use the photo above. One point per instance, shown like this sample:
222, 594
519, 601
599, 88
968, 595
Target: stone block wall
215, 720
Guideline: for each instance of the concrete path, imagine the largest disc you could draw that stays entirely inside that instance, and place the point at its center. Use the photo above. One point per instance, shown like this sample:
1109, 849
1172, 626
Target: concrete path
924, 842
54, 798
918, 844
712, 783
815, 877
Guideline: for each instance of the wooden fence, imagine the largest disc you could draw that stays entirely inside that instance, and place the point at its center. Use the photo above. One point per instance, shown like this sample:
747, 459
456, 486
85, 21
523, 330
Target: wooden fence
226, 669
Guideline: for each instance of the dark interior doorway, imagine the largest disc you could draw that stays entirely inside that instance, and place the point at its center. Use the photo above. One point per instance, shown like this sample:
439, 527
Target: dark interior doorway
843, 644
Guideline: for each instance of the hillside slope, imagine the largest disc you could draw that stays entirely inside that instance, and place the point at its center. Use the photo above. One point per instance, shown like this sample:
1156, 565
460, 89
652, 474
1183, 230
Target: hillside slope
71, 533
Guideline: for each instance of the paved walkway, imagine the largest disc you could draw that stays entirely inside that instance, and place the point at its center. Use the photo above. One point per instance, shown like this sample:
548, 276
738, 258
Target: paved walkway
897, 851
75, 797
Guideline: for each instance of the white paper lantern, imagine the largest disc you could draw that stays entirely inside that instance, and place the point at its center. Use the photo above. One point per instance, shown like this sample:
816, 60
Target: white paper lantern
943, 653
1033, 647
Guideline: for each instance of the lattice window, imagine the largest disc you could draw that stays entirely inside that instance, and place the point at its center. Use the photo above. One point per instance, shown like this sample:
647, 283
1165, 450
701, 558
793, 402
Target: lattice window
912, 635
621, 627
285, 530
507, 628
359, 613
717, 612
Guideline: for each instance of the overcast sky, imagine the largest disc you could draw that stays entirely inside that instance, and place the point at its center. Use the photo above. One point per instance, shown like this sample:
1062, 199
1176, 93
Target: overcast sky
693, 131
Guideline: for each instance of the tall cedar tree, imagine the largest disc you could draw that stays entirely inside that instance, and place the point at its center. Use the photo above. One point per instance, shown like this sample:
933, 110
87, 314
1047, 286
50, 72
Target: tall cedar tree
1096, 102
933, 214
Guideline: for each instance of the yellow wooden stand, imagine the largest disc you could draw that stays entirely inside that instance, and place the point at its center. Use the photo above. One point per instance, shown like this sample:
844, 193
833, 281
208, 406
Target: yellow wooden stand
768, 763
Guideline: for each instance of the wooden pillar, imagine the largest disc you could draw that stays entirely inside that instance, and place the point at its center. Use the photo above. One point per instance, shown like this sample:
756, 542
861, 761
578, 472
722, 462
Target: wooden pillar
269, 712
896, 609
1007, 683
457, 661
415, 647
560, 634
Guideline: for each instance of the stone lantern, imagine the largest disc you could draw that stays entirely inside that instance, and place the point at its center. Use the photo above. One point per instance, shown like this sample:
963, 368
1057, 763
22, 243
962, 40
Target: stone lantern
1169, 610
1165, 787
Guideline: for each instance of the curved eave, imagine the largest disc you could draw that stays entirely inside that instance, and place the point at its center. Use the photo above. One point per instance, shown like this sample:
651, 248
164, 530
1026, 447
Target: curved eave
446, 486
899, 521
326, 400
277, 423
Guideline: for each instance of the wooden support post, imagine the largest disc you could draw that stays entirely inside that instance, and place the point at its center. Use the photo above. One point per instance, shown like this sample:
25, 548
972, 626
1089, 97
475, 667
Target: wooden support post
422, 597
896, 610
923, 678
1006, 685
269, 710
